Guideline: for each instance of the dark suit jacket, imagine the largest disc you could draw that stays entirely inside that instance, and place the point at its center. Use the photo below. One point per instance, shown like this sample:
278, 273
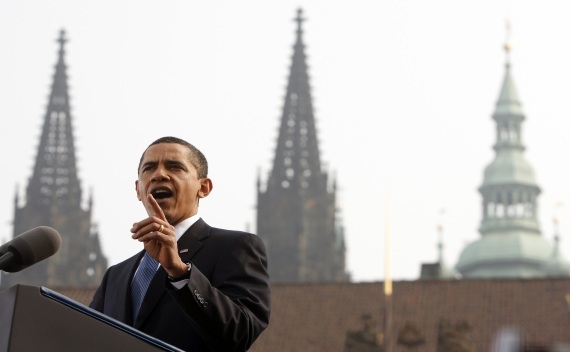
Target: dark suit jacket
225, 305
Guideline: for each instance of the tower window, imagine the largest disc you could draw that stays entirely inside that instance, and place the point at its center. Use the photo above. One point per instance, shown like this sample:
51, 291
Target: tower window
500, 211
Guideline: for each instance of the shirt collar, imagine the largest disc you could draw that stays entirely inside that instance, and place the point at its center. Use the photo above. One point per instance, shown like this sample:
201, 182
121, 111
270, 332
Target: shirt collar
184, 225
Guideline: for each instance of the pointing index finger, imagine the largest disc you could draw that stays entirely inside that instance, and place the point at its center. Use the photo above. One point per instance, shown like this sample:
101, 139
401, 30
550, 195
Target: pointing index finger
155, 209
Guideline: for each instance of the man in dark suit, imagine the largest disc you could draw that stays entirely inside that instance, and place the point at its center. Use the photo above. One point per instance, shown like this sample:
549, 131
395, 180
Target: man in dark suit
209, 287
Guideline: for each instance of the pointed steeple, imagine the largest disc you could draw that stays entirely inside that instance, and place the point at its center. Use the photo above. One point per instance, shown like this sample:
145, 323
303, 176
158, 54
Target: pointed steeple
296, 212
508, 102
297, 162
54, 179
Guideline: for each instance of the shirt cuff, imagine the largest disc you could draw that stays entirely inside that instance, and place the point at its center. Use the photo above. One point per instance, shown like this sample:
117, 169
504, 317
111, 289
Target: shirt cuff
179, 284
182, 280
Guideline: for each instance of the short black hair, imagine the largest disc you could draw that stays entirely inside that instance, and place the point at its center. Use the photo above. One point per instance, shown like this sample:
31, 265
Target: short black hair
197, 159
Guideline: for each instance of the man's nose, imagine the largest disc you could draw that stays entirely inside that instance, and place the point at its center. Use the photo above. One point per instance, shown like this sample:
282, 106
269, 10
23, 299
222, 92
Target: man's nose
160, 174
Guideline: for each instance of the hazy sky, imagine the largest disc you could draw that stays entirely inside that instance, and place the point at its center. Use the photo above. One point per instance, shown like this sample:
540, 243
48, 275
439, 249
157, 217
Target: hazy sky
403, 94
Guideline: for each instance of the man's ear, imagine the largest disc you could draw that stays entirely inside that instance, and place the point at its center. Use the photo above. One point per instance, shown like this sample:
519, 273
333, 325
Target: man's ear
206, 187
137, 189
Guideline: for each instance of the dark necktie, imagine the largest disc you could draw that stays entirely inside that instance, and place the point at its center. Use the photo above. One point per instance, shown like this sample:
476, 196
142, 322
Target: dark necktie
147, 269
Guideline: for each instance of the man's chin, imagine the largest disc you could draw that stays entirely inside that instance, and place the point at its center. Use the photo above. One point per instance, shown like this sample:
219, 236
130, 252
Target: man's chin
165, 209
165, 204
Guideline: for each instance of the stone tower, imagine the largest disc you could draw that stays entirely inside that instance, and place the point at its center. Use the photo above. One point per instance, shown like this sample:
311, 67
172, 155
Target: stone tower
511, 244
296, 212
53, 198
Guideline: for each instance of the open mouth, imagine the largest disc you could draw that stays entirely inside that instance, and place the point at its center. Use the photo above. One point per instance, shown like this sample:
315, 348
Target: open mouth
161, 193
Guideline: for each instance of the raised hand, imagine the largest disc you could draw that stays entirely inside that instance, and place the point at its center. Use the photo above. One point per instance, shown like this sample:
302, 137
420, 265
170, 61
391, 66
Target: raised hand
159, 238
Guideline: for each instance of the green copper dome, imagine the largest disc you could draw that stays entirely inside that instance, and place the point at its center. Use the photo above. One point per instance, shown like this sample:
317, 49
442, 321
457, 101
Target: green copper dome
506, 255
557, 267
509, 167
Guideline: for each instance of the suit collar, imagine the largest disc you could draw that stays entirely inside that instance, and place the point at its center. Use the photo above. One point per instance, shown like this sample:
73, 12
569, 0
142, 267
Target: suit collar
181, 228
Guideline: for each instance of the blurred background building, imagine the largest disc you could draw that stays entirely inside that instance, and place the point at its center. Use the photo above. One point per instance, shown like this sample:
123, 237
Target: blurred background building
511, 244
297, 215
54, 198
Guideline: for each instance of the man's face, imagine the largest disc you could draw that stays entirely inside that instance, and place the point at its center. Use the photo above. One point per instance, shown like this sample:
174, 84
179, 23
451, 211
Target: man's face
167, 174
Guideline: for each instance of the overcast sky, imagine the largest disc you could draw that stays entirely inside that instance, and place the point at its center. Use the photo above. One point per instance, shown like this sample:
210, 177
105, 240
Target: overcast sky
403, 94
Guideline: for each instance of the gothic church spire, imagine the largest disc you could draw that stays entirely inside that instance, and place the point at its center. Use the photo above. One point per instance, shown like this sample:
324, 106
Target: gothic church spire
296, 214
297, 162
54, 179
53, 198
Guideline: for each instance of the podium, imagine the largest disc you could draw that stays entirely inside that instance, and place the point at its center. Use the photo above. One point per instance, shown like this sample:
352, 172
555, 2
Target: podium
39, 319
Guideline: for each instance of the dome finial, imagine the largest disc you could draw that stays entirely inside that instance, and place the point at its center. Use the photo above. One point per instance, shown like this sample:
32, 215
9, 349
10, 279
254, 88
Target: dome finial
508, 46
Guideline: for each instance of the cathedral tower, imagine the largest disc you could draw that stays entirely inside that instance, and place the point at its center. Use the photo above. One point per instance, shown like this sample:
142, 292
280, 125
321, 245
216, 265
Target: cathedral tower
511, 243
53, 198
296, 212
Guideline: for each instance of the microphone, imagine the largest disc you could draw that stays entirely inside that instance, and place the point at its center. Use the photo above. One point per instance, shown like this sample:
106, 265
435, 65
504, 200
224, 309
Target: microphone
29, 248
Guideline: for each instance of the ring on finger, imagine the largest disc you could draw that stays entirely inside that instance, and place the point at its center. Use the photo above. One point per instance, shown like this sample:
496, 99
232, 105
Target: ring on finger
161, 228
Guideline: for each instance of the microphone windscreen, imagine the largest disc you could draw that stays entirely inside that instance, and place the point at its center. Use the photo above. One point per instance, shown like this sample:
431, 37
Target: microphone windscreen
31, 247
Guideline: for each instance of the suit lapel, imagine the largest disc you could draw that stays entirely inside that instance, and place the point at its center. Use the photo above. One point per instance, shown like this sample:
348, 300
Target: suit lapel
191, 241
189, 244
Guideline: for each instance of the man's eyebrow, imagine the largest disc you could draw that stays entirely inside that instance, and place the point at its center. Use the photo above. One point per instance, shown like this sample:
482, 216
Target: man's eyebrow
149, 163
174, 162
169, 162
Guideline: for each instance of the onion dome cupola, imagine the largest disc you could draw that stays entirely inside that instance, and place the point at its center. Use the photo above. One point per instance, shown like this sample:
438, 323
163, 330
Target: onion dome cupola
511, 243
